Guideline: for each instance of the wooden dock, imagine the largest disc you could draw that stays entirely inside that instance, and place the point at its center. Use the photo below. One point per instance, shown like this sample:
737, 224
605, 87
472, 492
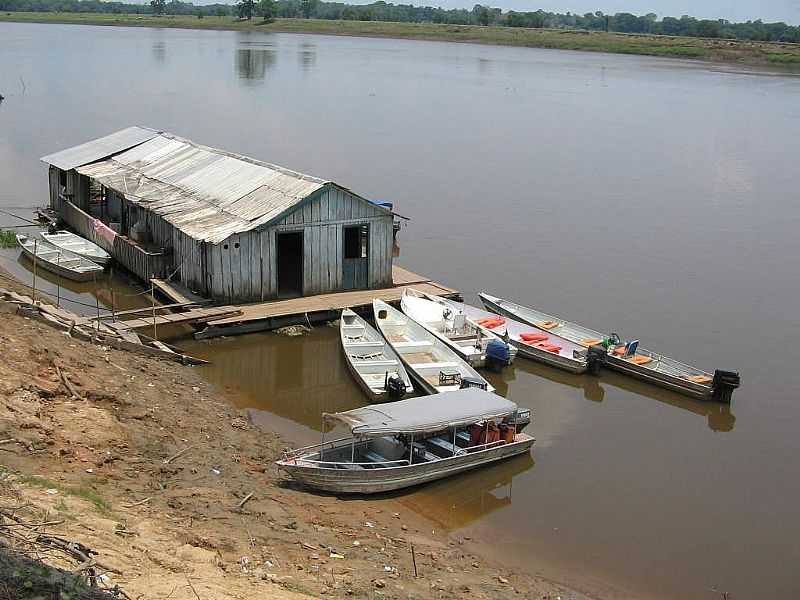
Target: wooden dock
246, 318
197, 315
264, 316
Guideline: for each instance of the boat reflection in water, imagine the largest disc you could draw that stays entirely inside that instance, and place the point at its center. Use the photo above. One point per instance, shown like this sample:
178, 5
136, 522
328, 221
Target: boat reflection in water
459, 501
295, 378
720, 417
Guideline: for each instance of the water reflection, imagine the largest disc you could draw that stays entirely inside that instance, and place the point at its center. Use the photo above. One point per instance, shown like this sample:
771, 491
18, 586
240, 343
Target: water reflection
159, 51
456, 502
112, 287
297, 378
307, 55
720, 417
252, 63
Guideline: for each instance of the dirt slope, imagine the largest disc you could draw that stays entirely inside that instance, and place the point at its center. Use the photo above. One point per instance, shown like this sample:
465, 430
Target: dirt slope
148, 466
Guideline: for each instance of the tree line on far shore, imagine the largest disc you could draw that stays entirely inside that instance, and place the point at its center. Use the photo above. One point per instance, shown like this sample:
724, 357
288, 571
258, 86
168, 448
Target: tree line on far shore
406, 13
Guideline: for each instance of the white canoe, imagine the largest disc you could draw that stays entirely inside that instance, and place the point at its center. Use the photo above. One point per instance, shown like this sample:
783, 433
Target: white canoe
432, 363
371, 360
66, 240
59, 261
628, 357
451, 325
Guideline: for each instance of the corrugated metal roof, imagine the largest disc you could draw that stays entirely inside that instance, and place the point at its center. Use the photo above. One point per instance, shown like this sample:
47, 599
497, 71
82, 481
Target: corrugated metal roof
99, 148
208, 194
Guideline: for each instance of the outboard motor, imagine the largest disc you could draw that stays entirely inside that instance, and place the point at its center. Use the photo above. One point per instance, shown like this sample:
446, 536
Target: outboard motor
498, 355
394, 385
595, 358
723, 384
471, 382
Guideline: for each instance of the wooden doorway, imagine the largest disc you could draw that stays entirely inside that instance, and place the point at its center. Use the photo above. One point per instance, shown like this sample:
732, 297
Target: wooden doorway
290, 264
355, 266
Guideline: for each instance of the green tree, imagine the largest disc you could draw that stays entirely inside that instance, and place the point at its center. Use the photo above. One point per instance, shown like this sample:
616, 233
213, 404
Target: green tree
480, 14
266, 8
709, 29
159, 6
308, 7
245, 9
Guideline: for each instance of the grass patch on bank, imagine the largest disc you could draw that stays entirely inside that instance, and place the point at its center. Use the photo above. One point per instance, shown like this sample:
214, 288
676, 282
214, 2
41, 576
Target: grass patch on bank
720, 50
81, 491
8, 239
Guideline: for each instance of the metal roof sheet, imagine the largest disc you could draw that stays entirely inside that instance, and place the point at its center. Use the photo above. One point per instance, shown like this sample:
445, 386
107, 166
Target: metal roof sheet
99, 148
208, 194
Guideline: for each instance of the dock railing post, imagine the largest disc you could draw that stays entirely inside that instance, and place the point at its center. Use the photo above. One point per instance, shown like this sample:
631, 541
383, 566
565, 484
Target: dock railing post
58, 283
35, 259
97, 303
153, 301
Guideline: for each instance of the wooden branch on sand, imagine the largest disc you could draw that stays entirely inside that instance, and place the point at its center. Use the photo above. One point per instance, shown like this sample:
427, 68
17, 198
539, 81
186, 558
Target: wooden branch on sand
179, 454
244, 500
67, 383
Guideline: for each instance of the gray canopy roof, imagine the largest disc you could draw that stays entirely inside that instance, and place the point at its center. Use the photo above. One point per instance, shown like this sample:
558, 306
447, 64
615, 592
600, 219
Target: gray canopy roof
427, 414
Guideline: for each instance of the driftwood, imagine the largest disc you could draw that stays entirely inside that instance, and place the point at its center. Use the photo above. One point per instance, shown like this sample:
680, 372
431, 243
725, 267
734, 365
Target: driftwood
179, 454
139, 503
85, 329
67, 383
244, 500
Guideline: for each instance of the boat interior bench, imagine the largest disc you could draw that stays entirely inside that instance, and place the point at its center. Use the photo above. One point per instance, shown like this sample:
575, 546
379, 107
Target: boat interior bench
442, 447
422, 453
373, 456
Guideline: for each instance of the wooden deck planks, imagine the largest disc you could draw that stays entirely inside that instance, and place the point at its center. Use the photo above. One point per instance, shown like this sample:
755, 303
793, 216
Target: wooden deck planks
335, 301
198, 314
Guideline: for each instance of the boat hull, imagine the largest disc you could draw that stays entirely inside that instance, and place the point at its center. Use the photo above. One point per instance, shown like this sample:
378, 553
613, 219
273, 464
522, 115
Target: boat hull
369, 335
669, 382
79, 246
79, 276
577, 367
621, 365
531, 352
374, 481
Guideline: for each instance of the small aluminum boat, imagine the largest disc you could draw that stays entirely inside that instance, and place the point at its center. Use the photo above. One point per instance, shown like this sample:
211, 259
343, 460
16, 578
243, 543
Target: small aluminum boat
66, 240
626, 357
376, 367
433, 365
540, 345
410, 442
472, 343
57, 260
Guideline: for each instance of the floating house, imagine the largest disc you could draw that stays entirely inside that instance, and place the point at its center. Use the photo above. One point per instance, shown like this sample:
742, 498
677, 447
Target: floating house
226, 226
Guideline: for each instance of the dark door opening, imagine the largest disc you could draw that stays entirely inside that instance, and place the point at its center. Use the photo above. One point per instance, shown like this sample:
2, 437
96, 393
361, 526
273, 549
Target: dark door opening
290, 264
355, 266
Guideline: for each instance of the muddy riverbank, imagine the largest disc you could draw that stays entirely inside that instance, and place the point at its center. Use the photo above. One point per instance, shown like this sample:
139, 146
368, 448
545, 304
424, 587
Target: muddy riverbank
153, 469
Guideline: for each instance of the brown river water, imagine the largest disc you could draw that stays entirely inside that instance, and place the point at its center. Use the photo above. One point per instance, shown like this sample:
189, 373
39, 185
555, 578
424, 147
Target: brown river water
653, 197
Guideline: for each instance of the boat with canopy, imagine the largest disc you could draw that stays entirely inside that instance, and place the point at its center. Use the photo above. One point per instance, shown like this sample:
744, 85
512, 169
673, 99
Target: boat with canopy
409, 442
625, 356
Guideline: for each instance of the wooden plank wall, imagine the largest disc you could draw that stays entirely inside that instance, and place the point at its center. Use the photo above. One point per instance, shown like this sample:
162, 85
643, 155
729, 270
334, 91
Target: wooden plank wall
54, 176
128, 254
243, 267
